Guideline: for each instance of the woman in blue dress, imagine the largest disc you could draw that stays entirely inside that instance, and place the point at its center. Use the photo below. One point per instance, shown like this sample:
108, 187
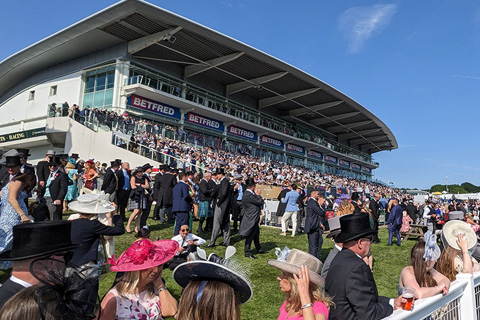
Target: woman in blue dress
14, 210
72, 191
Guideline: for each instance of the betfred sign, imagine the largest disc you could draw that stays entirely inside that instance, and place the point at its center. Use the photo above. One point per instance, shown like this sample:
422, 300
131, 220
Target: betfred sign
331, 159
204, 121
271, 141
344, 163
239, 132
356, 166
315, 154
295, 148
153, 106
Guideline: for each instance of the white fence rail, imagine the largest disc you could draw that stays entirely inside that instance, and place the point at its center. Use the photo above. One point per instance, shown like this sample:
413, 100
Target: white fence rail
461, 303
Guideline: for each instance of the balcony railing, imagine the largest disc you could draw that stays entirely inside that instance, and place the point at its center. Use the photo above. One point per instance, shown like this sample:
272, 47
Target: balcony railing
213, 101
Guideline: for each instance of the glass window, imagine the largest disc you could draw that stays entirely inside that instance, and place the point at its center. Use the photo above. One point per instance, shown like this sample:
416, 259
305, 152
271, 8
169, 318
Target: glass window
53, 90
108, 98
88, 100
110, 79
31, 95
98, 99
90, 84
100, 83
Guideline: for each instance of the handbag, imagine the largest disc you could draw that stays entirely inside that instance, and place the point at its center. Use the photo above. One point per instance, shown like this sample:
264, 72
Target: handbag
89, 184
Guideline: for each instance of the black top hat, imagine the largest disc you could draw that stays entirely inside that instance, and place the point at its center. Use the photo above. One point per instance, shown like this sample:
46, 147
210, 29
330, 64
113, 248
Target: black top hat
75, 156
147, 166
12, 161
163, 167
354, 226
39, 239
355, 196
114, 163
54, 161
250, 182
25, 152
119, 161
219, 171
62, 156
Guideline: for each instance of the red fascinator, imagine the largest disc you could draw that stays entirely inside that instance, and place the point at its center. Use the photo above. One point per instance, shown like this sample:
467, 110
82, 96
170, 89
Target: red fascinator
144, 254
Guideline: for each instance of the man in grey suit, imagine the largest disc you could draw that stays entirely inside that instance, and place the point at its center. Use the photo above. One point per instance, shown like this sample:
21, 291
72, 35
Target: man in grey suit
334, 225
252, 204
221, 215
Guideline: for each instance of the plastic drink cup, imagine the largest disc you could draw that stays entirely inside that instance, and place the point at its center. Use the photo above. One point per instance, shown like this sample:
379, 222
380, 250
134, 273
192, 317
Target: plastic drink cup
408, 294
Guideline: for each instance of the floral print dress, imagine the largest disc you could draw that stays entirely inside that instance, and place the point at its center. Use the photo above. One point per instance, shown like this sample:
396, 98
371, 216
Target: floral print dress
137, 306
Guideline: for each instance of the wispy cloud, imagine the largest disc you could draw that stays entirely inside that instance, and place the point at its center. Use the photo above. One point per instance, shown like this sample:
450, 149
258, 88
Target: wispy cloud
460, 76
358, 24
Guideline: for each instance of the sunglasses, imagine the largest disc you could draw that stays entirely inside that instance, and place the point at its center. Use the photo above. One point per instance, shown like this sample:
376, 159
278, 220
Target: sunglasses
185, 230
53, 165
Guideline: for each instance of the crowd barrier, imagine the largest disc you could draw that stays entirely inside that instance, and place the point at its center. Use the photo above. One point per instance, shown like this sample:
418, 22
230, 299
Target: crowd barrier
461, 303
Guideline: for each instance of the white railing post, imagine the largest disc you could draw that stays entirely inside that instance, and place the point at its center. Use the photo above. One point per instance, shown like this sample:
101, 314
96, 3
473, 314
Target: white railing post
467, 300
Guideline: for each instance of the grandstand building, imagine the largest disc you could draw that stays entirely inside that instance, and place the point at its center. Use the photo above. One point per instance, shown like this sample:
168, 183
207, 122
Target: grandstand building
136, 58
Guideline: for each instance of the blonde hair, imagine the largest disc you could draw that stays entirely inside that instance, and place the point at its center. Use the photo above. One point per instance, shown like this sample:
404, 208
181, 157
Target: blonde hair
293, 297
128, 284
345, 208
70, 165
446, 262
218, 301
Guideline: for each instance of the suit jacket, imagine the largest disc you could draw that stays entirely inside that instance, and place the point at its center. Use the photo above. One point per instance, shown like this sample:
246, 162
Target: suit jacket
206, 190
350, 282
182, 202
4, 177
224, 195
165, 184
7, 290
396, 215
375, 208
42, 171
326, 265
281, 206
251, 206
121, 178
315, 216
110, 182
412, 212
156, 184
59, 186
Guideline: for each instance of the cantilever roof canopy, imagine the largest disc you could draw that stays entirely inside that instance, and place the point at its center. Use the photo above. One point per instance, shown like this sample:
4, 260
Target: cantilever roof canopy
152, 33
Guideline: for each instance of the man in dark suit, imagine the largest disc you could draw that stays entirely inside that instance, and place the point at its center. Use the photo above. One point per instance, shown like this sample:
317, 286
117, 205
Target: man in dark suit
161, 172
55, 189
412, 211
165, 185
394, 222
252, 204
314, 223
33, 240
110, 181
206, 193
375, 209
350, 281
281, 196
182, 202
123, 191
221, 215
238, 192
43, 171
26, 167
147, 170
356, 202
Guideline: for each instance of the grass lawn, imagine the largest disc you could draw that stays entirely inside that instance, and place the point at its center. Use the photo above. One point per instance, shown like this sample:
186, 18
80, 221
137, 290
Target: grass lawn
267, 298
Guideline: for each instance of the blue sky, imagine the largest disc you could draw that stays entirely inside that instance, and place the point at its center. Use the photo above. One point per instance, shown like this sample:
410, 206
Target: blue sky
414, 64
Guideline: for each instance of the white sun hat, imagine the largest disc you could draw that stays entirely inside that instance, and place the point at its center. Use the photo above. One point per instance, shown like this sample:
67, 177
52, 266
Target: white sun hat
92, 203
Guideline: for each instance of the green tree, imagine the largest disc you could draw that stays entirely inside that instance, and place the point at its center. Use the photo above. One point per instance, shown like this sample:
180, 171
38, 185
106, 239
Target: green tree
470, 188
452, 188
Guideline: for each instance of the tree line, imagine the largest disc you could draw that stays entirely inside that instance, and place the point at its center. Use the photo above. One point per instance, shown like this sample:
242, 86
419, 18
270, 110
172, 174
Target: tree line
465, 187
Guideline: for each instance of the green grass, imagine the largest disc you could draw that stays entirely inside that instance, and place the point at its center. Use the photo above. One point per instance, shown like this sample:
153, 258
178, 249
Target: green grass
267, 298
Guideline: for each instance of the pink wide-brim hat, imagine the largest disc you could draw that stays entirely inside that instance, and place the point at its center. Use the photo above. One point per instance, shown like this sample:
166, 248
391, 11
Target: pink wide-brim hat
144, 254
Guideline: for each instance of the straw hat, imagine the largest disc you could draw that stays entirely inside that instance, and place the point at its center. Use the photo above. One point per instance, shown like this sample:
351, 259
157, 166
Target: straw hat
144, 254
295, 259
92, 203
452, 229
